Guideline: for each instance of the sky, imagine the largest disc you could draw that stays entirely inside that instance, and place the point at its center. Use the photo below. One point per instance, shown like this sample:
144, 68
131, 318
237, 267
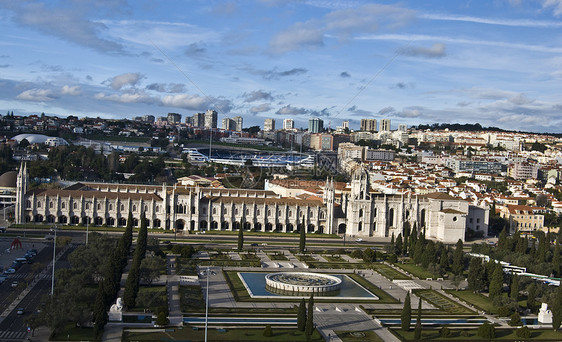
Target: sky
493, 62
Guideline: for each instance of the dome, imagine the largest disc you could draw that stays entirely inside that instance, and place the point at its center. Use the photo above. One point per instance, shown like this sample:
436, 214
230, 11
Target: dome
38, 139
8, 179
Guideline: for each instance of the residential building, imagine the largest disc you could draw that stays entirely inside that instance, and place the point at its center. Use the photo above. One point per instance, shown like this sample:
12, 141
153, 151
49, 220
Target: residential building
288, 124
239, 123
228, 124
385, 125
174, 118
269, 125
210, 119
315, 125
369, 125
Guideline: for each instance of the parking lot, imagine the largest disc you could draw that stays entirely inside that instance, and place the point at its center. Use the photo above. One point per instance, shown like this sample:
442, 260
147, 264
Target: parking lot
8, 255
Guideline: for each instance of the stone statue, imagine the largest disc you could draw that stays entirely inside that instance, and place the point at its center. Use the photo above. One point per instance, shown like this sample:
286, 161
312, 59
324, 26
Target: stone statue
116, 311
545, 315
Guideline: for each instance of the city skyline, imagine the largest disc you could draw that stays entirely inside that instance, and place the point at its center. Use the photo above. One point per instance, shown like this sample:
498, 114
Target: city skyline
493, 63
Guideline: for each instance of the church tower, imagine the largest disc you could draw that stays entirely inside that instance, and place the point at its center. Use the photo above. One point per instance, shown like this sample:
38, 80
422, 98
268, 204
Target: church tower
329, 201
358, 214
21, 189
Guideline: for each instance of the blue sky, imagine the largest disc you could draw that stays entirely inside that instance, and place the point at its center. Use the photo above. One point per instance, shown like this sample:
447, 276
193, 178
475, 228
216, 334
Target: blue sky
496, 62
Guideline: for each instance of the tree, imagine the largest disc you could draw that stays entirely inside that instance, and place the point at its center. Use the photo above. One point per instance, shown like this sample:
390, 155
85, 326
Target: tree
487, 331
475, 272
100, 311
301, 316
557, 309
514, 290
241, 238
496, 282
502, 240
523, 332
418, 328
458, 261
142, 238
150, 269
128, 235
369, 255
531, 297
302, 241
309, 327
399, 245
556, 260
515, 319
162, 320
131, 287
268, 332
406, 316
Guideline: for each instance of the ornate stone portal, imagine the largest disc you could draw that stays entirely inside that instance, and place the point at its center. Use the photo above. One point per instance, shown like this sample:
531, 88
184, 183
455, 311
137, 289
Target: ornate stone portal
298, 283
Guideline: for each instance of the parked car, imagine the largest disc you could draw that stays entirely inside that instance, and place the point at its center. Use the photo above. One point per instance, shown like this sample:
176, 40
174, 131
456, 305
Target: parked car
15, 283
10, 270
20, 311
2, 229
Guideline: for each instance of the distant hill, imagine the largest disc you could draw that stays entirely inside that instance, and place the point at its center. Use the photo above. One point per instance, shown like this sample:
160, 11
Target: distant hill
474, 127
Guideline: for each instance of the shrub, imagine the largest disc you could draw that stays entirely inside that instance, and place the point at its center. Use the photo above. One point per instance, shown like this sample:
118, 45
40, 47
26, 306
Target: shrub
523, 332
445, 332
162, 320
267, 332
515, 319
465, 333
357, 254
393, 258
504, 311
487, 331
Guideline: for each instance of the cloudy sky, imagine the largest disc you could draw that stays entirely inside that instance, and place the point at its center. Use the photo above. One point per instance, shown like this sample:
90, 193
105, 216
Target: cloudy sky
496, 62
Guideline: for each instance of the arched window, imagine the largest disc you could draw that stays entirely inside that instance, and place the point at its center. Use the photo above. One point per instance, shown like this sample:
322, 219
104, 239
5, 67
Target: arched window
28, 204
226, 212
157, 209
99, 206
312, 214
63, 205
269, 213
38, 204
247, 211
51, 205
258, 212
122, 207
214, 211
134, 207
280, 213
290, 213
75, 205
322, 215
236, 211
361, 212
110, 206
146, 208
87, 206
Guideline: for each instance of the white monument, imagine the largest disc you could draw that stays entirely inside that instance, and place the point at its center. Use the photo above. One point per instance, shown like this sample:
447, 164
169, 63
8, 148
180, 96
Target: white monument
116, 311
545, 315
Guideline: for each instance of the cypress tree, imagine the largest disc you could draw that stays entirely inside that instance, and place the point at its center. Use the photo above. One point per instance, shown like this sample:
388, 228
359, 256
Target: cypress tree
502, 240
458, 262
301, 316
241, 238
531, 297
399, 245
128, 236
131, 287
444, 260
413, 239
302, 241
406, 316
309, 328
418, 328
406, 238
142, 238
100, 311
475, 271
496, 282
392, 248
514, 290
557, 309
556, 260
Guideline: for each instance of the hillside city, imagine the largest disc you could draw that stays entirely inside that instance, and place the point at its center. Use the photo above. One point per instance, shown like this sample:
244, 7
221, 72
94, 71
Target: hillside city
378, 233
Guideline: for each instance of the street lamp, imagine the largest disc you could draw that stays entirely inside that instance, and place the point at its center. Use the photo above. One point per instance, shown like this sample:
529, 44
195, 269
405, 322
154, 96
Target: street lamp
207, 304
87, 229
54, 254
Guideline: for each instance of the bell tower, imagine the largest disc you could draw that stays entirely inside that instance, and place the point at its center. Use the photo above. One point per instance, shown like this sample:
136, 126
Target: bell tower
21, 189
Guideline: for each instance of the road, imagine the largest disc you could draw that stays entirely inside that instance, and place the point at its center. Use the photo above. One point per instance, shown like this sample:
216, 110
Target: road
13, 326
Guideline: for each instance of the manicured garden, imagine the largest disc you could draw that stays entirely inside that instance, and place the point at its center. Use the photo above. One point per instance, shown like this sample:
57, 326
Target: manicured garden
416, 270
478, 300
472, 335
191, 298
389, 272
443, 303
221, 334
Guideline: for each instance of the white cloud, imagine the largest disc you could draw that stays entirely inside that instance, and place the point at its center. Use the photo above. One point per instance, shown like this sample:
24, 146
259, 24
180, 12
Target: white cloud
38, 95
492, 21
138, 97
264, 107
194, 102
127, 79
295, 38
437, 50
557, 4
71, 90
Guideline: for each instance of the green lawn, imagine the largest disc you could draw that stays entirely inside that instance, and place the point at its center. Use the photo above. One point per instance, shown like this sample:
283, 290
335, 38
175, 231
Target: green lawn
470, 334
416, 270
73, 333
151, 297
336, 258
186, 266
270, 234
191, 298
443, 303
277, 257
389, 272
478, 300
249, 256
305, 258
229, 334
339, 265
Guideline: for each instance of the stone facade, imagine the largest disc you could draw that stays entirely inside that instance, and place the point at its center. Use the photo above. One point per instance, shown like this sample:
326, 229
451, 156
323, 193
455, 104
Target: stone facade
357, 212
